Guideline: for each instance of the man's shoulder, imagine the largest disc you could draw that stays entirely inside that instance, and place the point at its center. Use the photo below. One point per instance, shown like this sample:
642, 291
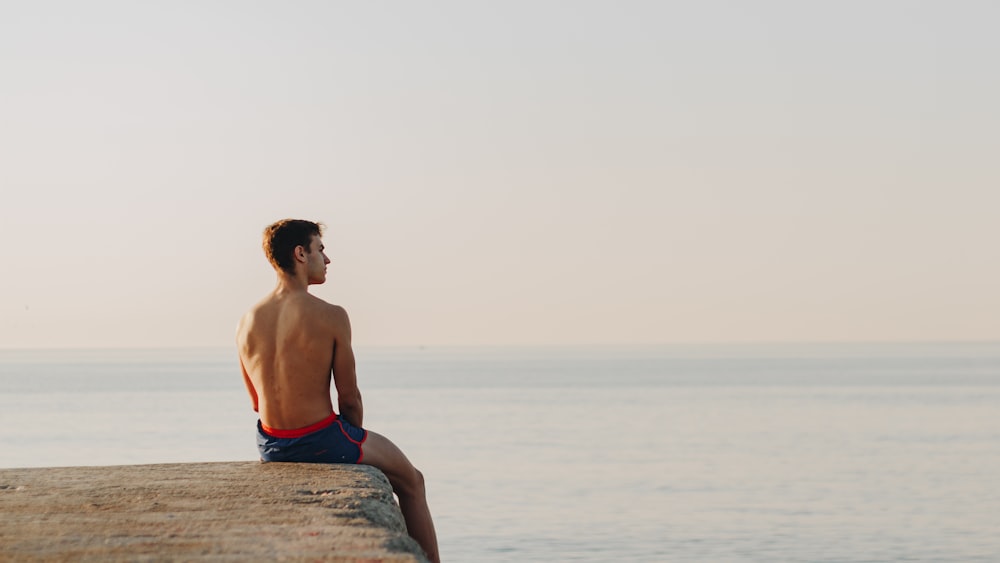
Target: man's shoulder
328, 309
256, 310
248, 317
322, 304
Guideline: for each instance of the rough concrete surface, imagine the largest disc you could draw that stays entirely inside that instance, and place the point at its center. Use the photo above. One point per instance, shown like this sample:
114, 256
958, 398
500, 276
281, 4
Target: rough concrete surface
240, 511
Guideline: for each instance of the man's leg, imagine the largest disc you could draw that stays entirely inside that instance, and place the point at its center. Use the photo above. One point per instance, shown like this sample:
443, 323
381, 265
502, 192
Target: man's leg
408, 484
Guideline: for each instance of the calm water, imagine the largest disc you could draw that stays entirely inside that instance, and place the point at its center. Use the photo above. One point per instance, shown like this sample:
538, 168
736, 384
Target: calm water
681, 453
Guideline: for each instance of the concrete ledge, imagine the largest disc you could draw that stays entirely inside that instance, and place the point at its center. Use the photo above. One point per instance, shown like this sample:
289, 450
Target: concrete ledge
220, 511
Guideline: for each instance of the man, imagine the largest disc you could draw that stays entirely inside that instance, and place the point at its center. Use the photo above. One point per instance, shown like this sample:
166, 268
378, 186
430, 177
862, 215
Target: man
289, 344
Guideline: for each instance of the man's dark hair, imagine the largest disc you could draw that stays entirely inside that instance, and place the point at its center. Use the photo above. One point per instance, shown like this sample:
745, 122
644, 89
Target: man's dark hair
281, 238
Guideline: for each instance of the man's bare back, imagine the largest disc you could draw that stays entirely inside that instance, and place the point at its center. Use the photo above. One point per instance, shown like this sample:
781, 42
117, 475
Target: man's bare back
291, 344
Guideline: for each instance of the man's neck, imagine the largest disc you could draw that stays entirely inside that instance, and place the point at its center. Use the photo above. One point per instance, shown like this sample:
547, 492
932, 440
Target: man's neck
291, 284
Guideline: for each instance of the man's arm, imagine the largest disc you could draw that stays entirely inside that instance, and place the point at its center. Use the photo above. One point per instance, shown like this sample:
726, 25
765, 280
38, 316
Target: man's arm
344, 376
250, 389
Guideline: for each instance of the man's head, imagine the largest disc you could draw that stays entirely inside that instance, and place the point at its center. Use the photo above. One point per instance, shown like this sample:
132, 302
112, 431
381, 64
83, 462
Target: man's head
283, 239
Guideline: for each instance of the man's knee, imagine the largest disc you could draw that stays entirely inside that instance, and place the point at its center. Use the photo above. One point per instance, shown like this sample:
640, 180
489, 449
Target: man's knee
411, 484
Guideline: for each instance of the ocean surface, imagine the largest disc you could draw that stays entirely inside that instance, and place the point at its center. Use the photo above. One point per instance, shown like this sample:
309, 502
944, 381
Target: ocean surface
799, 452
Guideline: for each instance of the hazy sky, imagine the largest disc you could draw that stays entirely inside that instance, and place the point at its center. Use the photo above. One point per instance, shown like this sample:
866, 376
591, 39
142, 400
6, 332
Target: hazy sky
504, 172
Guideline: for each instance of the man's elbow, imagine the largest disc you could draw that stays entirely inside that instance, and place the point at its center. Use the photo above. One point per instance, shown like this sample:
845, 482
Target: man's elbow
351, 409
350, 401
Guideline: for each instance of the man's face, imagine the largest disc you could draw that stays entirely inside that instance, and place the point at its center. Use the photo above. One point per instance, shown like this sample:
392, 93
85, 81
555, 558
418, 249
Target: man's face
317, 260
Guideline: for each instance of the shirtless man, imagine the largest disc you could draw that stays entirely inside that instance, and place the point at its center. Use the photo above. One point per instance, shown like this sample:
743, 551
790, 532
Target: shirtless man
289, 344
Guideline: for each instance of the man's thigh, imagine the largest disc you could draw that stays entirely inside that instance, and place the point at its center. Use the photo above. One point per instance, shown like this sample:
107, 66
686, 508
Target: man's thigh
380, 452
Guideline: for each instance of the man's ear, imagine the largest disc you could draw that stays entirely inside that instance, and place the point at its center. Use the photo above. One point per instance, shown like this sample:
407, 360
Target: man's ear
300, 253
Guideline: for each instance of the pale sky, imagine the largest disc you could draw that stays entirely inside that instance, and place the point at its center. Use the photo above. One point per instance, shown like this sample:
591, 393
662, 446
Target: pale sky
504, 172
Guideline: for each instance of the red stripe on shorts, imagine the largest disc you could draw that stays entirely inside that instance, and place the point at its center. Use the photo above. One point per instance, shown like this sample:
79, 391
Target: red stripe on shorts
300, 432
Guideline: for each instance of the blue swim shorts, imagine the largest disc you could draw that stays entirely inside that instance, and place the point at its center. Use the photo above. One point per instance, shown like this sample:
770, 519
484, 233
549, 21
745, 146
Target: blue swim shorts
331, 440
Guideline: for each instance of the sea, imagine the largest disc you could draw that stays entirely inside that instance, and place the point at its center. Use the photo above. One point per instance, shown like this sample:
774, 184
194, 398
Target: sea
712, 452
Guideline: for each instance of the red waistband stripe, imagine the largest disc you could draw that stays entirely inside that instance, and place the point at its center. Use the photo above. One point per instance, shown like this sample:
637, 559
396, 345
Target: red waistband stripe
299, 432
